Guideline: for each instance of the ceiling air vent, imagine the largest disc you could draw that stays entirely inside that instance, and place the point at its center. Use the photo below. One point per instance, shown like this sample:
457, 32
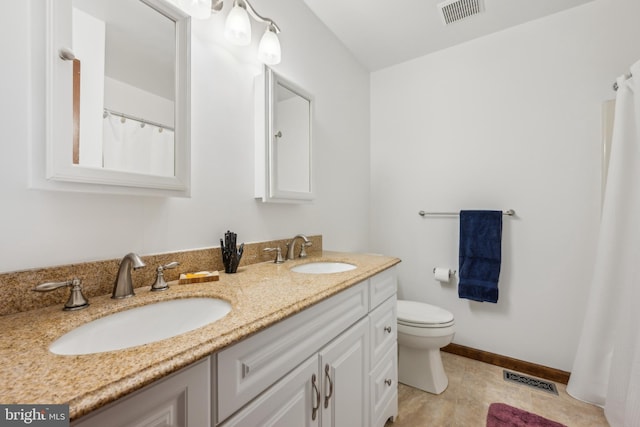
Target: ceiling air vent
455, 10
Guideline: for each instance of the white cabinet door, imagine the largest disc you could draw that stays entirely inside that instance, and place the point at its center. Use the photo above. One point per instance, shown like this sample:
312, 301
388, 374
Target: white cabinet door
180, 400
289, 403
331, 388
249, 367
344, 366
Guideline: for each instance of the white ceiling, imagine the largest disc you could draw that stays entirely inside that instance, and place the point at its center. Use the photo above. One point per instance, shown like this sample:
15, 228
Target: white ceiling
383, 33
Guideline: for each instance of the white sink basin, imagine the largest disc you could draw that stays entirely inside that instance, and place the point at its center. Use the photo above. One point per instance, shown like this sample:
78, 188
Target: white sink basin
141, 325
323, 267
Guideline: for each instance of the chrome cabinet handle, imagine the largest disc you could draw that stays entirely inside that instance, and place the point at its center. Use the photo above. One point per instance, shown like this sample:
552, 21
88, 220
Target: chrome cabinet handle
387, 381
327, 397
387, 329
316, 406
245, 370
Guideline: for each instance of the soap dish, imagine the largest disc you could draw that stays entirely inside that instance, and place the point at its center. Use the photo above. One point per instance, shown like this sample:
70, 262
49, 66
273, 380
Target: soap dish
199, 277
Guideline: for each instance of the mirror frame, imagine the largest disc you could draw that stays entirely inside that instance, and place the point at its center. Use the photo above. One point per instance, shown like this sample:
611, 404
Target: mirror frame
60, 172
266, 161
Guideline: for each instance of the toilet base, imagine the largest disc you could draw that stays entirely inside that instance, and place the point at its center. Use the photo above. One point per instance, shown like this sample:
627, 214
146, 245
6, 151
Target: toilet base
422, 369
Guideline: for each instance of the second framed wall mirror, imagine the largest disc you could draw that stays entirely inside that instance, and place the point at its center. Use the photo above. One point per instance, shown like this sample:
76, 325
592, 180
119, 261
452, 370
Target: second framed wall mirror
284, 136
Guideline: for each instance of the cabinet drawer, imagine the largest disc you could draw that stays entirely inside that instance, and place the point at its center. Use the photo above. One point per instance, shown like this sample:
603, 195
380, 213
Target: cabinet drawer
248, 368
383, 329
382, 286
384, 388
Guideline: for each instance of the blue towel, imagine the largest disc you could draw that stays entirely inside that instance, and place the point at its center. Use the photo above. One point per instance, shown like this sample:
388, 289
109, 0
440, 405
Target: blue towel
480, 255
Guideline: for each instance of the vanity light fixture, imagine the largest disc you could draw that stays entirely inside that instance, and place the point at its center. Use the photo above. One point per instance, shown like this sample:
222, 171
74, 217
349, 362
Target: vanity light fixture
237, 28
269, 47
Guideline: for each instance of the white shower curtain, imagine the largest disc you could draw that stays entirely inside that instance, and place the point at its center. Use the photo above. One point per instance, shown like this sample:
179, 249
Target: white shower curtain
130, 147
606, 370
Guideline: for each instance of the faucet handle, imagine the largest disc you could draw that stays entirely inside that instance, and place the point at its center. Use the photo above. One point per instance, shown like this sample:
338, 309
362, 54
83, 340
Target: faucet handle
172, 264
303, 252
161, 284
278, 259
76, 301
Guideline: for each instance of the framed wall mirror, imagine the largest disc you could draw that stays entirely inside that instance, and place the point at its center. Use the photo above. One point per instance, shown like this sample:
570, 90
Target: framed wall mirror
118, 95
284, 123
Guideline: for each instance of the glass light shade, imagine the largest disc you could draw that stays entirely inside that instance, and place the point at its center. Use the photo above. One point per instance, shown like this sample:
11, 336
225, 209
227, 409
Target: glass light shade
237, 27
269, 48
199, 9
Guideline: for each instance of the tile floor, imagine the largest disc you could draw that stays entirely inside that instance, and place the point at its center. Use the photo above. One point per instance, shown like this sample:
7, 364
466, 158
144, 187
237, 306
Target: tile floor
473, 386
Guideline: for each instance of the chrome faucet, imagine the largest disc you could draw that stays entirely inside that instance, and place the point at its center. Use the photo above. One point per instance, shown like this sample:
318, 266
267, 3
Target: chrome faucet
123, 287
292, 244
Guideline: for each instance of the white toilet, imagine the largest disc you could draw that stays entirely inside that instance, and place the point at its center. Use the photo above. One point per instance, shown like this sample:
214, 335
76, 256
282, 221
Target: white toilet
423, 329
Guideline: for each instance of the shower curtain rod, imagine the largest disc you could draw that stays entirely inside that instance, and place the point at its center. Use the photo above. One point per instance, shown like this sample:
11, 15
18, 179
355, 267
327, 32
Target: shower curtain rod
509, 212
626, 76
137, 119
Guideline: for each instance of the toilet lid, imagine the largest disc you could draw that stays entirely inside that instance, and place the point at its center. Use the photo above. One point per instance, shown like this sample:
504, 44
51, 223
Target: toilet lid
422, 313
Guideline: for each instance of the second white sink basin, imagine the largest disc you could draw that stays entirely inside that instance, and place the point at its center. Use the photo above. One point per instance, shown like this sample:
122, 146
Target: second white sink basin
141, 325
323, 267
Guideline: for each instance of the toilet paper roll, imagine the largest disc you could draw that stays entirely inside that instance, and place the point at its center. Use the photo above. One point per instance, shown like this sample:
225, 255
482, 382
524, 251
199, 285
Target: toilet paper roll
442, 274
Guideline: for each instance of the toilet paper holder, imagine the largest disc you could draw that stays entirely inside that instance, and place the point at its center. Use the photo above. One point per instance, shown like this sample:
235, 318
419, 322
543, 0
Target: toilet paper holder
452, 273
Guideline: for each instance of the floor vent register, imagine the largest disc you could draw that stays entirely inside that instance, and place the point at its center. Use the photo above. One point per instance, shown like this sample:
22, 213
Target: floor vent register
536, 383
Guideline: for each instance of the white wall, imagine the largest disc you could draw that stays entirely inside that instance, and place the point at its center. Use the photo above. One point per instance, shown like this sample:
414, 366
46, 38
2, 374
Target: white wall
509, 121
40, 228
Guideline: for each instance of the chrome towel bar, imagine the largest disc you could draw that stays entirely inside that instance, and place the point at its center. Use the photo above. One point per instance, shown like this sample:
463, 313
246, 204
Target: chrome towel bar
509, 212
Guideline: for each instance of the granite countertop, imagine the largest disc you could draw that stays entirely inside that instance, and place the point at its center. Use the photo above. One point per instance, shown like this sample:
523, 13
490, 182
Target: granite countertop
260, 294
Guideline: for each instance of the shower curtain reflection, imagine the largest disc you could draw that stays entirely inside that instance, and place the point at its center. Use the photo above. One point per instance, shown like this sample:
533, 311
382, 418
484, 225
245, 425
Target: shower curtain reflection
133, 146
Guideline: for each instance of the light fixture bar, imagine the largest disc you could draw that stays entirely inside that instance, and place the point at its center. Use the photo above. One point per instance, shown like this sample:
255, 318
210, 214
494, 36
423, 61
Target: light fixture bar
238, 29
216, 6
255, 15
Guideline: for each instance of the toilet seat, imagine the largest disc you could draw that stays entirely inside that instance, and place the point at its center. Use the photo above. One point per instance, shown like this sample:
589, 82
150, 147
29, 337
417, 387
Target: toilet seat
422, 315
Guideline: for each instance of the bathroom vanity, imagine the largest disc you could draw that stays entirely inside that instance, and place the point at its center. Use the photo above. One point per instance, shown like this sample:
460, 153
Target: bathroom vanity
296, 349
345, 352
